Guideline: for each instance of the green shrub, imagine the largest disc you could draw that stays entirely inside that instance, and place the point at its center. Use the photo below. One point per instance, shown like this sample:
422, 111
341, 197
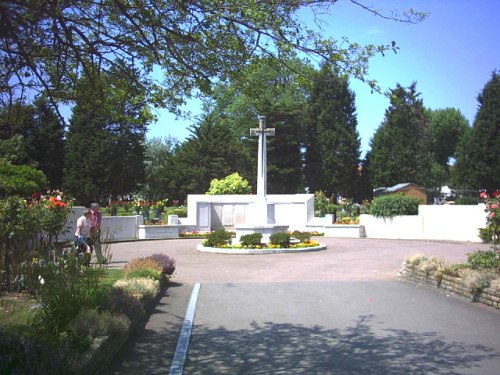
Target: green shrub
180, 211
471, 201
302, 236
486, 234
232, 184
477, 280
145, 272
253, 239
219, 238
395, 205
280, 239
483, 259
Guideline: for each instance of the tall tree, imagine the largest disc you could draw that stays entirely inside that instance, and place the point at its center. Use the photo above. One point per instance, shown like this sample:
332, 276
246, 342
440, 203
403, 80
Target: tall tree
446, 128
400, 146
211, 151
158, 171
478, 155
333, 144
42, 133
49, 46
106, 138
268, 89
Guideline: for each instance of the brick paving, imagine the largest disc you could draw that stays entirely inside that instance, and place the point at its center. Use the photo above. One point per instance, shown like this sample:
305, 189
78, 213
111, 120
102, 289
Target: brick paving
344, 259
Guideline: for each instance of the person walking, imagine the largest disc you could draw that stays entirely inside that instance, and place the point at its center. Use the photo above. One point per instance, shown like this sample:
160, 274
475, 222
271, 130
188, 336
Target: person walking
95, 230
82, 237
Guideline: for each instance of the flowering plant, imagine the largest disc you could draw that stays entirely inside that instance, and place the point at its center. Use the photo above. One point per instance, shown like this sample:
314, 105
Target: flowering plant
493, 213
160, 204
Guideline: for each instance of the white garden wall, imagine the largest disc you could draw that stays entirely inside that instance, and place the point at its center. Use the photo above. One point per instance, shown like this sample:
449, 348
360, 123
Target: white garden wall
436, 222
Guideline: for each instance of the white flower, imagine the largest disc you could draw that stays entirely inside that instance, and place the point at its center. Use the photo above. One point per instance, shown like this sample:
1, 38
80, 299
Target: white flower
40, 278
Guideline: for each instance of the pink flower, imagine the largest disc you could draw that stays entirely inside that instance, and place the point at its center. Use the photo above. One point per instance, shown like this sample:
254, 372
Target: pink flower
494, 206
483, 195
491, 215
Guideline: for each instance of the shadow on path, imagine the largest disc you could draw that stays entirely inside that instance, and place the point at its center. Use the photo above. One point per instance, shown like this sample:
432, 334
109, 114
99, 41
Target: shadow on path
295, 349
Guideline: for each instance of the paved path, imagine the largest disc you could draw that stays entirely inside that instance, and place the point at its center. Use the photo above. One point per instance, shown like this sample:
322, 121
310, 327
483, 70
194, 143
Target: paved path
339, 311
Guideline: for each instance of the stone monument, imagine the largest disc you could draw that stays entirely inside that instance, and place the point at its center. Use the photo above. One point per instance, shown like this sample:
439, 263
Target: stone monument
263, 220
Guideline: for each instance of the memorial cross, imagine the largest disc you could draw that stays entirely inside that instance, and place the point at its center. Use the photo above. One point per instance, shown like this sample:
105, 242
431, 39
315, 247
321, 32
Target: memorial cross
262, 131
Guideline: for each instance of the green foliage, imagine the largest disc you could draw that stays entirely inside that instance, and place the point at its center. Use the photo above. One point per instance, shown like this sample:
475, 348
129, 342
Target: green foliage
108, 127
218, 238
280, 239
486, 234
63, 293
252, 239
212, 151
322, 204
400, 147
394, 205
20, 179
447, 127
301, 236
210, 52
467, 200
478, 154
145, 272
332, 140
180, 211
232, 184
484, 259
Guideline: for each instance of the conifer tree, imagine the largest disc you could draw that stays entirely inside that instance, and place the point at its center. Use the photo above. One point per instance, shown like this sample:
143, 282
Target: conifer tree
400, 146
478, 155
333, 145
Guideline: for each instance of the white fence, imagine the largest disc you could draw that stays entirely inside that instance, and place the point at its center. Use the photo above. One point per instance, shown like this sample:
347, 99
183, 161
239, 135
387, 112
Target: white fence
443, 222
436, 222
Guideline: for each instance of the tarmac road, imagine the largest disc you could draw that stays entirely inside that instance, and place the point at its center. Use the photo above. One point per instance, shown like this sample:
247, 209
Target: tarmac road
339, 311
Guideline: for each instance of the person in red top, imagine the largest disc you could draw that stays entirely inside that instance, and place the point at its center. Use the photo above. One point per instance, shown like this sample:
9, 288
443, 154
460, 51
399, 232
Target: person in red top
95, 229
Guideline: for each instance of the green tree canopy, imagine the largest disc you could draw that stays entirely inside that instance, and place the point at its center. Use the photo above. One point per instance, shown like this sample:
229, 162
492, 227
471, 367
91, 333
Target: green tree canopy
478, 154
400, 146
333, 144
21, 180
50, 45
106, 139
446, 129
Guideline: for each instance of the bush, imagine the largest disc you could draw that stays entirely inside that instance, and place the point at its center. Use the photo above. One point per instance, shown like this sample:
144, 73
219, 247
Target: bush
232, 184
119, 301
470, 201
141, 264
302, 236
486, 234
90, 323
219, 238
138, 286
395, 205
253, 239
484, 259
414, 261
280, 239
145, 273
166, 263
477, 280
180, 211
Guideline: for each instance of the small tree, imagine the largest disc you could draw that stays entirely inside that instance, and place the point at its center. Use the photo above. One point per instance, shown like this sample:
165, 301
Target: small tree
232, 184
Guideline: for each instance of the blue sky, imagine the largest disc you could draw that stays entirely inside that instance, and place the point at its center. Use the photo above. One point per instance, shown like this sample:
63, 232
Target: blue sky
450, 55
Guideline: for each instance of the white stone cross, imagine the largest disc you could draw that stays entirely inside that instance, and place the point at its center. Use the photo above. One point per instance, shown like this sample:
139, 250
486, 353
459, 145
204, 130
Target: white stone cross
262, 132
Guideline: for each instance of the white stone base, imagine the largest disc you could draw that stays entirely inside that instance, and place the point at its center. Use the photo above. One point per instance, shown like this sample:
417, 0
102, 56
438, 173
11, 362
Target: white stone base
232, 251
146, 232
